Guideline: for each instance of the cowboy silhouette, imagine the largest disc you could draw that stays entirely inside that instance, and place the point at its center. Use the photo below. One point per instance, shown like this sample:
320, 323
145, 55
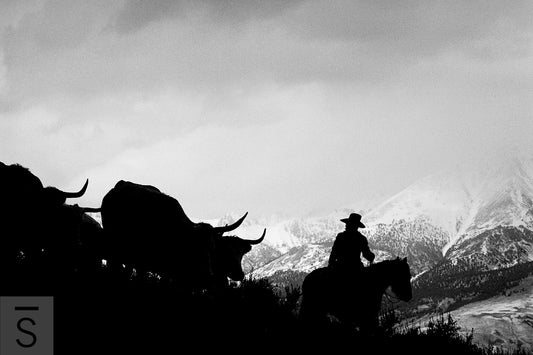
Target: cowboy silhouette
346, 253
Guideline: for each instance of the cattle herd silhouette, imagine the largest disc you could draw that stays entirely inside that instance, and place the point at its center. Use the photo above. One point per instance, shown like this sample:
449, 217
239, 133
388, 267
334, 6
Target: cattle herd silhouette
144, 232
155, 256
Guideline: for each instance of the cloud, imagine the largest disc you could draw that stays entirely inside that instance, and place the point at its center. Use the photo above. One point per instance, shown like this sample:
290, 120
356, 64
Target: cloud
64, 49
63, 139
3, 74
261, 103
412, 27
136, 14
14, 10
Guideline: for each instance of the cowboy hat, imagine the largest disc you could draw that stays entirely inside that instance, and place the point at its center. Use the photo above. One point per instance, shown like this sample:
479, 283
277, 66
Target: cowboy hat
354, 218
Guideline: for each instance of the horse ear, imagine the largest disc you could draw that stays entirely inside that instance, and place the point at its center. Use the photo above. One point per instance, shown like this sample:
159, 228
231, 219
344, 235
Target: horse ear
404, 259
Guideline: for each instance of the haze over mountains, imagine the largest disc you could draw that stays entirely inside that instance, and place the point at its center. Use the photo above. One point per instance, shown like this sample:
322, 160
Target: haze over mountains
480, 214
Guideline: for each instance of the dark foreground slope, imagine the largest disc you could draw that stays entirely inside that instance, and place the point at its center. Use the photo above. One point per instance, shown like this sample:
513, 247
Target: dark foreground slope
105, 312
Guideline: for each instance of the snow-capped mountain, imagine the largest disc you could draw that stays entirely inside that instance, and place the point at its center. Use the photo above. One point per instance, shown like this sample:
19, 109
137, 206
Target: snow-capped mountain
466, 201
481, 213
305, 258
468, 208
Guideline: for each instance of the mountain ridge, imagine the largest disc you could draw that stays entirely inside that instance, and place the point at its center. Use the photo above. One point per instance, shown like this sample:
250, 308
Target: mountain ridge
452, 215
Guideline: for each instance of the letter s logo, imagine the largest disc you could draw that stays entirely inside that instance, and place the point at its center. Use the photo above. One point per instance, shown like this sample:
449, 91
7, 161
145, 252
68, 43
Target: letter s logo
19, 327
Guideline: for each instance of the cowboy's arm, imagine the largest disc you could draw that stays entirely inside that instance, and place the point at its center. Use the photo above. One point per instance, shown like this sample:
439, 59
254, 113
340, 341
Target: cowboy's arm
367, 253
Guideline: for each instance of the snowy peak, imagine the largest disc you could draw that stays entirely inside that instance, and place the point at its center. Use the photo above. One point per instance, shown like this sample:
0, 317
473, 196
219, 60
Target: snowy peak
439, 199
505, 200
466, 201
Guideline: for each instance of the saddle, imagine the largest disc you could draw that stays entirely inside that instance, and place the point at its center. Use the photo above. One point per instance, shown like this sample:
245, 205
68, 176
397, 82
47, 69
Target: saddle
346, 280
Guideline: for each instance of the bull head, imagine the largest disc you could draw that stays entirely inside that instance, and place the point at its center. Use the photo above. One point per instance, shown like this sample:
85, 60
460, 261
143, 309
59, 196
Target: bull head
57, 197
230, 251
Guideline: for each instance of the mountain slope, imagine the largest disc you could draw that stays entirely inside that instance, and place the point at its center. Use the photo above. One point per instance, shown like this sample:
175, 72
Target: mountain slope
495, 248
479, 215
505, 321
465, 202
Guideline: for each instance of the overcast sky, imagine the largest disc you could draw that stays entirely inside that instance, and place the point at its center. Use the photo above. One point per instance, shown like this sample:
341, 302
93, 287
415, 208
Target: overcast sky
261, 106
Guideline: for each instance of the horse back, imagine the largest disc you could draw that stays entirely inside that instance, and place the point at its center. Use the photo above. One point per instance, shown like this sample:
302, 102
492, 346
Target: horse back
316, 279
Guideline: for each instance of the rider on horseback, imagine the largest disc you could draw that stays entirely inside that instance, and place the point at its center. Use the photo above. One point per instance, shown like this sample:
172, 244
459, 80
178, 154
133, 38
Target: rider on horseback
345, 257
347, 293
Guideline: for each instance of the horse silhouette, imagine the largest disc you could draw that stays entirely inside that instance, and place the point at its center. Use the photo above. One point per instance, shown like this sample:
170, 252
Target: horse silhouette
354, 303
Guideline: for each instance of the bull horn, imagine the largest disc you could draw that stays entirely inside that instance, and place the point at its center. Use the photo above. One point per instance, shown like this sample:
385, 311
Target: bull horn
91, 210
76, 194
254, 242
231, 227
